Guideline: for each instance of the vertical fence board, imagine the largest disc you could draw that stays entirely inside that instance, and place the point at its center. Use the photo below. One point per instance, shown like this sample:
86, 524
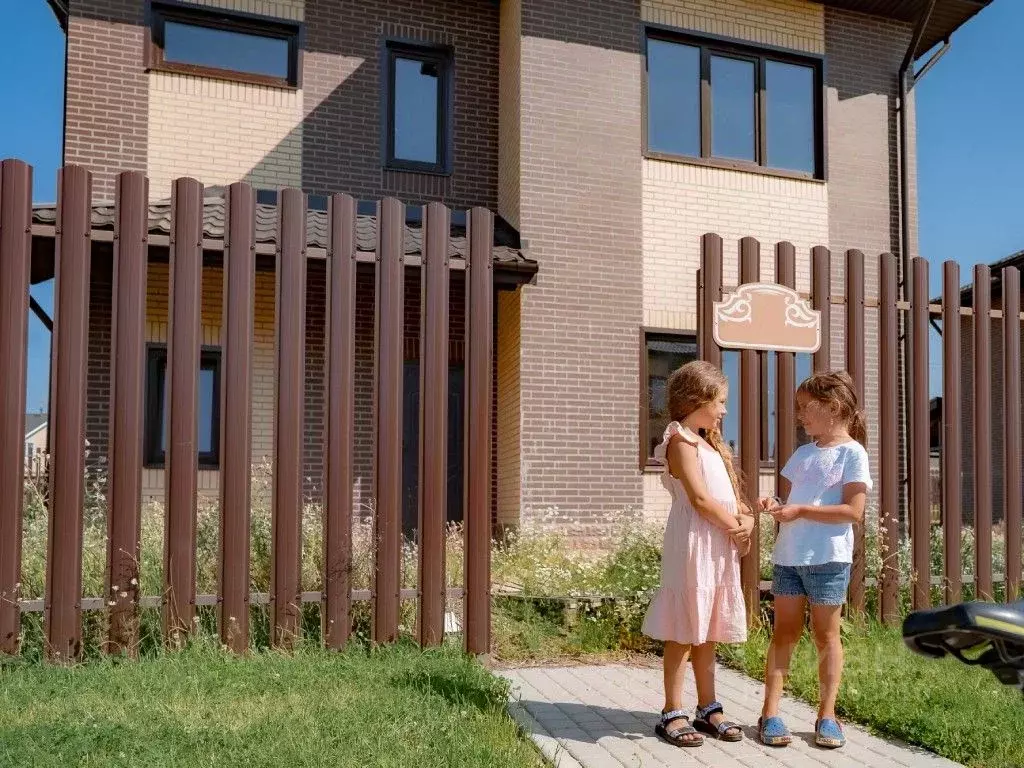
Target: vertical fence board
1012, 429
236, 422
821, 300
433, 447
785, 379
388, 453
711, 271
855, 342
920, 470
15, 268
889, 448
952, 433
62, 605
479, 329
750, 437
128, 324
182, 381
290, 312
982, 432
338, 472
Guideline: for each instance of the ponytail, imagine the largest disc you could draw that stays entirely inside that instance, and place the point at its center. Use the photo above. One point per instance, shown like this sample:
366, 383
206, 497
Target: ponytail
858, 428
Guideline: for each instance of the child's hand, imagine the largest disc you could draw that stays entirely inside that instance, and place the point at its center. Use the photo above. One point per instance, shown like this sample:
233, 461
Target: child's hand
741, 533
786, 514
769, 503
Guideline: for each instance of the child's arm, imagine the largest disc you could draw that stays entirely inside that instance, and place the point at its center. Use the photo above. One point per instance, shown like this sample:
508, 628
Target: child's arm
682, 463
850, 511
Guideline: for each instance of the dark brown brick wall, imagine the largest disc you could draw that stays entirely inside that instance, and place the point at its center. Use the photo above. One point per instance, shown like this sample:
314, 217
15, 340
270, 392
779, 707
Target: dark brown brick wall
581, 205
107, 91
97, 399
342, 92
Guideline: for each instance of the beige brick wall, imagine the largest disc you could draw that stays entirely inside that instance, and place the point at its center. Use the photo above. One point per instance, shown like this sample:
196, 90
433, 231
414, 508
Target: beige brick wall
795, 24
221, 132
508, 412
157, 308
681, 202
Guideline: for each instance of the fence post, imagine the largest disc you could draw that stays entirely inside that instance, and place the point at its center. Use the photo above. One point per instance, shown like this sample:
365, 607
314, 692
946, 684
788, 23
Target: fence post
235, 409
1012, 429
982, 432
785, 380
952, 433
15, 270
750, 437
388, 454
920, 529
341, 336
182, 381
285, 558
433, 416
889, 447
62, 606
821, 300
128, 320
855, 343
711, 271
479, 329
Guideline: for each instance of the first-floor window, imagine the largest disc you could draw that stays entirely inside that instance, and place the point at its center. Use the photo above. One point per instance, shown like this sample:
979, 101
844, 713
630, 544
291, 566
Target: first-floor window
207, 412
663, 352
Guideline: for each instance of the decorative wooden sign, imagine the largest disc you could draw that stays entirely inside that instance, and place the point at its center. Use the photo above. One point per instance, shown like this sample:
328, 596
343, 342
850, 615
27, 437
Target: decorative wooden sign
766, 316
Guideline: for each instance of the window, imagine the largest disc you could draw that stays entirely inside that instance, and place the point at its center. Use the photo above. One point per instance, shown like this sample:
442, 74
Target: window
418, 104
728, 105
208, 416
662, 353
214, 43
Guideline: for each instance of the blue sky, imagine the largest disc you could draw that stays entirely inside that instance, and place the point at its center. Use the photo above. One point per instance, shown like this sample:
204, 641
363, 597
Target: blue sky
970, 109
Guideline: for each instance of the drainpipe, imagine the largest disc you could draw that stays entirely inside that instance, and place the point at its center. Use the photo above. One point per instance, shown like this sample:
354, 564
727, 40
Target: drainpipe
906, 75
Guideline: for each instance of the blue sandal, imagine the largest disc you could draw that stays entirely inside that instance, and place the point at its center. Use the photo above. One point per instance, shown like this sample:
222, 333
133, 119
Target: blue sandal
724, 731
828, 733
773, 732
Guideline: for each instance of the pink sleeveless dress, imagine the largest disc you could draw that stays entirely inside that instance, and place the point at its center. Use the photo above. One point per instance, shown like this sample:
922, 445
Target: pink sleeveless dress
701, 597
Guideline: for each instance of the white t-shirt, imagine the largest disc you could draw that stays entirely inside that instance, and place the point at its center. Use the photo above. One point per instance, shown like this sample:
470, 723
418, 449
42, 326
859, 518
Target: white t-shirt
818, 476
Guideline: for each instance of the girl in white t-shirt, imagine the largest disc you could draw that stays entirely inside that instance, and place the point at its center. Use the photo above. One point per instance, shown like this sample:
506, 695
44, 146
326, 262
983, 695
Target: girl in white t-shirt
814, 550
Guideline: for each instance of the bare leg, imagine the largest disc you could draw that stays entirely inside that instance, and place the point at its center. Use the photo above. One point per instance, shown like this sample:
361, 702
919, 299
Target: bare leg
825, 623
789, 625
674, 666
703, 659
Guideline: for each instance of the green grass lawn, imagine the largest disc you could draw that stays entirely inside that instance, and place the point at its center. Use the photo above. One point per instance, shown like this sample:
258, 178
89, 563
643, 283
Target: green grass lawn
201, 707
962, 713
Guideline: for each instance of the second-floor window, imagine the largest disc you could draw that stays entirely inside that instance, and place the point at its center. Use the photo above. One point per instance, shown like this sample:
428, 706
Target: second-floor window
212, 43
729, 105
418, 98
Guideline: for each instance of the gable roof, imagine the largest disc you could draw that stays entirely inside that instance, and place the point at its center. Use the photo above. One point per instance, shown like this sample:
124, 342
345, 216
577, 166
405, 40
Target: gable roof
34, 422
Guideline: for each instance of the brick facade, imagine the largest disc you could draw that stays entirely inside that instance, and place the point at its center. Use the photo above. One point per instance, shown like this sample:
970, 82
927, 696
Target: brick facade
547, 128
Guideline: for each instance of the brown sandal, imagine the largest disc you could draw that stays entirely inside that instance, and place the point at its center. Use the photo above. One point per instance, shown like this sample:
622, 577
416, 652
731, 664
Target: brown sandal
677, 737
702, 721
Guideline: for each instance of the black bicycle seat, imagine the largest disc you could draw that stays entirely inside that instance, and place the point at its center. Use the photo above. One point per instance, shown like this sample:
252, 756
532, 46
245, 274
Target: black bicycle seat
956, 628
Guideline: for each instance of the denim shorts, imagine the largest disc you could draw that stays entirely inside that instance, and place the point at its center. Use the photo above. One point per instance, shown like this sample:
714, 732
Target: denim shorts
824, 584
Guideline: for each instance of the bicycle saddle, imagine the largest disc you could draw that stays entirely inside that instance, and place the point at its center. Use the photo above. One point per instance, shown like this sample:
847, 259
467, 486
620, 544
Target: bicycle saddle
992, 633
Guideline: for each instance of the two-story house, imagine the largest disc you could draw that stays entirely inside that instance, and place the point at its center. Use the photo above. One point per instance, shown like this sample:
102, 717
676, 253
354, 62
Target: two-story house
608, 136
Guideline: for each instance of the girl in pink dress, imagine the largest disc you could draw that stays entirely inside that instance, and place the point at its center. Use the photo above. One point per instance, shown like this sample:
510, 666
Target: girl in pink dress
700, 601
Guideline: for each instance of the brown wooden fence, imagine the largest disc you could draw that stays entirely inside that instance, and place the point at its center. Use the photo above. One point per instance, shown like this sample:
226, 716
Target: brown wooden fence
63, 603
893, 485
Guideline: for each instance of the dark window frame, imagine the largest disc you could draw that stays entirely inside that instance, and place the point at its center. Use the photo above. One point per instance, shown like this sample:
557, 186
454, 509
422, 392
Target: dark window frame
647, 463
443, 57
711, 45
162, 11
156, 362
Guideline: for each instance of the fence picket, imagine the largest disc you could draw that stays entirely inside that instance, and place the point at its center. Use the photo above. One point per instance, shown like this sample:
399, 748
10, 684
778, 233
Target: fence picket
15, 271
952, 432
854, 344
128, 326
889, 447
1012, 482
750, 437
982, 432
